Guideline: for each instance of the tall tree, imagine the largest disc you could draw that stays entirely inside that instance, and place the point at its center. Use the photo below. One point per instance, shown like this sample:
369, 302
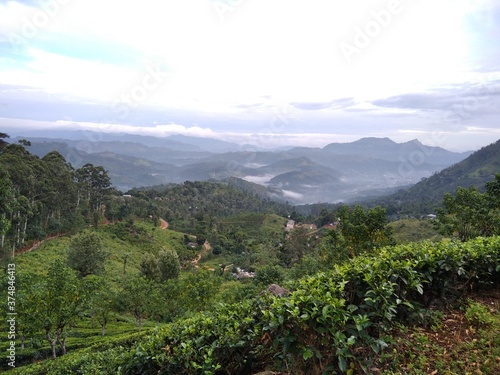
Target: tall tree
298, 243
94, 183
60, 197
7, 203
2, 142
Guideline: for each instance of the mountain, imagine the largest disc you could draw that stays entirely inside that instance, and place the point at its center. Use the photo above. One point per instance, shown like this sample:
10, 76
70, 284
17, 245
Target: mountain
336, 172
205, 144
386, 149
477, 169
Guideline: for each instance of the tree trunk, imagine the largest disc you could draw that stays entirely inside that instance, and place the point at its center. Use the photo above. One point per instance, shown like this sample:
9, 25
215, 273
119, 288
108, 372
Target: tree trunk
62, 343
3, 231
52, 342
138, 321
23, 237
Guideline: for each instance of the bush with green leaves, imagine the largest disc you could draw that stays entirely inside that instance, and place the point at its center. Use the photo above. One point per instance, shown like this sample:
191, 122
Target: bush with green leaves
86, 254
331, 322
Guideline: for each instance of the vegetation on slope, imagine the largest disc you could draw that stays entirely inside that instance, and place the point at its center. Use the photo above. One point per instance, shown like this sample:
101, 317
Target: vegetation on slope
337, 321
425, 197
354, 297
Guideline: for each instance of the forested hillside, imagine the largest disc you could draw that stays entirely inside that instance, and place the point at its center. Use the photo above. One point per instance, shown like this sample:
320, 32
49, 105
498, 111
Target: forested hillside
425, 196
211, 278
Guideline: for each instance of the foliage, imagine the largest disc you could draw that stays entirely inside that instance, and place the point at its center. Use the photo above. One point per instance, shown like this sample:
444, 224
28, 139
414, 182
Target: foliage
268, 275
136, 294
199, 289
297, 244
414, 230
478, 315
470, 213
46, 196
61, 299
149, 267
86, 254
168, 264
363, 230
200, 208
333, 321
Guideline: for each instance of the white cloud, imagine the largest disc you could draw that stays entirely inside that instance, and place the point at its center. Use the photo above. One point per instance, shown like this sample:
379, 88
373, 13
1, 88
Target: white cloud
260, 51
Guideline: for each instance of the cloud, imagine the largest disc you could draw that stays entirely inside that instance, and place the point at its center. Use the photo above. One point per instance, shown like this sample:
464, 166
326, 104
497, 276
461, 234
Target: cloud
473, 99
333, 104
312, 105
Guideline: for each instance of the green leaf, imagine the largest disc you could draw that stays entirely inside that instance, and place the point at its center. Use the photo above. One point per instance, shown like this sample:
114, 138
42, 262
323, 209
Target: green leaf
307, 353
342, 363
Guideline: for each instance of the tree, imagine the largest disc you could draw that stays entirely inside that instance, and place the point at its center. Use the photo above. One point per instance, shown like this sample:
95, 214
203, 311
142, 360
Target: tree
149, 267
199, 288
363, 230
469, 213
298, 243
7, 201
2, 142
24, 142
168, 264
61, 304
60, 193
492, 196
93, 183
86, 254
30, 291
136, 294
268, 275
101, 301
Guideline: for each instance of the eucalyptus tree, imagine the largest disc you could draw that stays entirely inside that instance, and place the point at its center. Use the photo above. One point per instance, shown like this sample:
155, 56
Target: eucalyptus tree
7, 201
60, 191
93, 184
3, 143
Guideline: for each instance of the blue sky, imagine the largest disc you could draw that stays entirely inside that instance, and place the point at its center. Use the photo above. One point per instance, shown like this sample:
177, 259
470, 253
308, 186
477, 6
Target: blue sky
266, 72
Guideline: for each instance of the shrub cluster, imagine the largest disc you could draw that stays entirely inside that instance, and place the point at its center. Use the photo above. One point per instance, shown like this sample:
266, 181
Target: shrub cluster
332, 322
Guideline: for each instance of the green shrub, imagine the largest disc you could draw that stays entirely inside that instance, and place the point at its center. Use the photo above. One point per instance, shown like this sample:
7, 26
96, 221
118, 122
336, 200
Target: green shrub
478, 315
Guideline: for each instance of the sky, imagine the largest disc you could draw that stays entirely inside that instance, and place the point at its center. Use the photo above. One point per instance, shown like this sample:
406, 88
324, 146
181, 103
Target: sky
264, 72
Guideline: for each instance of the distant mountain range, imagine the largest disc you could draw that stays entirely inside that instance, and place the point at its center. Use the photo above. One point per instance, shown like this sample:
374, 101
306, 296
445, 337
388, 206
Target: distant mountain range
423, 197
336, 172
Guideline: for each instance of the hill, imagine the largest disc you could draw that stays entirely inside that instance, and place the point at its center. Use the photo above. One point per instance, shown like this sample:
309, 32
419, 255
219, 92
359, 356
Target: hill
422, 198
336, 172
375, 314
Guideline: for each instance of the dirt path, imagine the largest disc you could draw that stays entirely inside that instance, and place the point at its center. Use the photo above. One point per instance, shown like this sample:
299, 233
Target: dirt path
163, 224
37, 244
205, 251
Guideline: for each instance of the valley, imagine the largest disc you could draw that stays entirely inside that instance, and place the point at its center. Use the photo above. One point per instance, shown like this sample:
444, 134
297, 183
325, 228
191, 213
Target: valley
173, 278
338, 172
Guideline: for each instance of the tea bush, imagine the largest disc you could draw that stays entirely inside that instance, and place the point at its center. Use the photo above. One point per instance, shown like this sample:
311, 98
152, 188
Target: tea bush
335, 321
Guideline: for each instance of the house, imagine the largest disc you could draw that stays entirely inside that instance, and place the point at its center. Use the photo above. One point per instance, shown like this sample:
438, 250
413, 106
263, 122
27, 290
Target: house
289, 225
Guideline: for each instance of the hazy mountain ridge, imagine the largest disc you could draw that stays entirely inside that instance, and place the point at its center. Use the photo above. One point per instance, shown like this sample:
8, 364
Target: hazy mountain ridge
423, 197
336, 172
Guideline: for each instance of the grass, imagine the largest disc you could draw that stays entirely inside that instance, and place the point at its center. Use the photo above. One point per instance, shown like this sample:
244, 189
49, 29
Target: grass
414, 230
